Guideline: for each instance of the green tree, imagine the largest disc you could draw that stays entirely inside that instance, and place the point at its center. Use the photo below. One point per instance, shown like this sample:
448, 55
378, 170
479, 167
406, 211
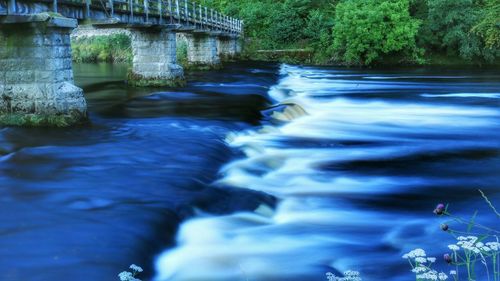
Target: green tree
451, 23
489, 26
367, 31
285, 26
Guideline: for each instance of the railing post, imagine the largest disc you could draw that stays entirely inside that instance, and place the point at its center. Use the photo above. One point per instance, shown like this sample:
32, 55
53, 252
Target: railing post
146, 9
170, 11
178, 11
201, 17
206, 18
212, 18
131, 7
194, 14
87, 9
112, 8
54, 6
11, 8
186, 12
160, 11
218, 20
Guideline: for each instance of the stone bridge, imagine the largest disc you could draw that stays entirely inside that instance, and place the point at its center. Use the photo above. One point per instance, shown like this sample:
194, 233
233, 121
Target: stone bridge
36, 77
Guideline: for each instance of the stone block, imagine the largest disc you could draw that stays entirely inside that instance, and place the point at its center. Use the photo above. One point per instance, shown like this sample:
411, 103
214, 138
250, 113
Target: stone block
36, 77
16, 77
153, 53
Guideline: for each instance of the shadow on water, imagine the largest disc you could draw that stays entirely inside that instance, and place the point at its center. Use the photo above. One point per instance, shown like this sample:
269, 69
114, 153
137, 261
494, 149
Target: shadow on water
344, 176
84, 203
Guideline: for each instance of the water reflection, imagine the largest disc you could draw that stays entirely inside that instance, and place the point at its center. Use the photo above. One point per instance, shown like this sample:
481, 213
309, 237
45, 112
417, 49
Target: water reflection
84, 203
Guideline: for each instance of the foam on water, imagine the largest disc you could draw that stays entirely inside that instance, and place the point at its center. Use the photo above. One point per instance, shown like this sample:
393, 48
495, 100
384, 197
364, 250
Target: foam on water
324, 220
464, 95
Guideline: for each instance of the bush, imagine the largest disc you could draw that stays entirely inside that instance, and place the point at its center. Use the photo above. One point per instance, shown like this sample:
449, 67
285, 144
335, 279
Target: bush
286, 27
450, 23
182, 53
366, 31
114, 48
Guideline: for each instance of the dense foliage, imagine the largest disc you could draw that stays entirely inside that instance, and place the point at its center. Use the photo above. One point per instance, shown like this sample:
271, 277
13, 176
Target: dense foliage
366, 31
372, 31
114, 48
353, 32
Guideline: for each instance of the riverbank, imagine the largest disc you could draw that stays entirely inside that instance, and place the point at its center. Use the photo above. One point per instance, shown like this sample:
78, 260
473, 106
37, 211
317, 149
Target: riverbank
116, 48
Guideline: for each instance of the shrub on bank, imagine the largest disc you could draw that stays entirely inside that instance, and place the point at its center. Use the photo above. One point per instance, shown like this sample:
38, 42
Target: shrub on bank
113, 48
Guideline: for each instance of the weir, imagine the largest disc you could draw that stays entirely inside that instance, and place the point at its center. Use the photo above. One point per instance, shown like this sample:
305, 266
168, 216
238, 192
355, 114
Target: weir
36, 76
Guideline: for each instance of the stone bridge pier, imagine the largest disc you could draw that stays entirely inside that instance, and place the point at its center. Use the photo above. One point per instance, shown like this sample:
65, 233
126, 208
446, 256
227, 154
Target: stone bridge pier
36, 75
155, 58
202, 51
228, 47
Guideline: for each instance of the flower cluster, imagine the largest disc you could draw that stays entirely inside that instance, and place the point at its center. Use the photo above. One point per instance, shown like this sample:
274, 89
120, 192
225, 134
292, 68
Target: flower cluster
130, 276
422, 266
472, 243
349, 275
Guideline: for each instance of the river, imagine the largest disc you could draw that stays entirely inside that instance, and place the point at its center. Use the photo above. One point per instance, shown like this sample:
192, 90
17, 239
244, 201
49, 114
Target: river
255, 172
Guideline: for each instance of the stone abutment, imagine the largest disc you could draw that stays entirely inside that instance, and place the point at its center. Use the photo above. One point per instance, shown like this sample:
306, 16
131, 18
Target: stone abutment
36, 75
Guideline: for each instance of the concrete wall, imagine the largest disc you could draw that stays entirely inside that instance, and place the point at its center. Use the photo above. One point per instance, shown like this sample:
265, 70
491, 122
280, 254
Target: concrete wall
36, 75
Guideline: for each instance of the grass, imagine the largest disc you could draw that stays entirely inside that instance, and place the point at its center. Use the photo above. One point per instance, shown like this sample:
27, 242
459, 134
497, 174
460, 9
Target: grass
40, 120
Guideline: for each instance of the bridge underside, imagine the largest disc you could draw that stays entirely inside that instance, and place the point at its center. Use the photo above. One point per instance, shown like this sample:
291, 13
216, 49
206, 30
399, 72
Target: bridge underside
36, 77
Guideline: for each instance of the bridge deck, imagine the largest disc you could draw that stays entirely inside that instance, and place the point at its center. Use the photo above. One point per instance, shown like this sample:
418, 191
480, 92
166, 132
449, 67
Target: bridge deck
186, 15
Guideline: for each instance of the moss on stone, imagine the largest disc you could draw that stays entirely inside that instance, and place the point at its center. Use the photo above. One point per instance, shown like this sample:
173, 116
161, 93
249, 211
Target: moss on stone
203, 67
40, 120
140, 81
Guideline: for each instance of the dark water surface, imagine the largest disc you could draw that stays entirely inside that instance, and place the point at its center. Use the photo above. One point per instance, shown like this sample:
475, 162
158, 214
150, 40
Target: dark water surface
184, 182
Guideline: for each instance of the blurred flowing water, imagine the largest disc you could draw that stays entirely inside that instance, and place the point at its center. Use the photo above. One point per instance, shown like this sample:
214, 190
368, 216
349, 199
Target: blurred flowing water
255, 172
358, 160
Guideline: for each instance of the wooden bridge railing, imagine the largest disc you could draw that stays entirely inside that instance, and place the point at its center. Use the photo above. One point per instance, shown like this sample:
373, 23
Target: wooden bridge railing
183, 12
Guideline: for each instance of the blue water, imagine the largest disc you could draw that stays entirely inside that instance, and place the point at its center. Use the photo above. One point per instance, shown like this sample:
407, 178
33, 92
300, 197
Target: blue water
358, 161
256, 172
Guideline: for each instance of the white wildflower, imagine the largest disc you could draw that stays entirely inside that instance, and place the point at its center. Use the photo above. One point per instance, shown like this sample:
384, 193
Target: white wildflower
453, 272
472, 239
136, 268
495, 246
454, 247
414, 254
125, 276
330, 276
349, 275
421, 260
442, 276
419, 269
431, 259
486, 249
461, 238
430, 275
